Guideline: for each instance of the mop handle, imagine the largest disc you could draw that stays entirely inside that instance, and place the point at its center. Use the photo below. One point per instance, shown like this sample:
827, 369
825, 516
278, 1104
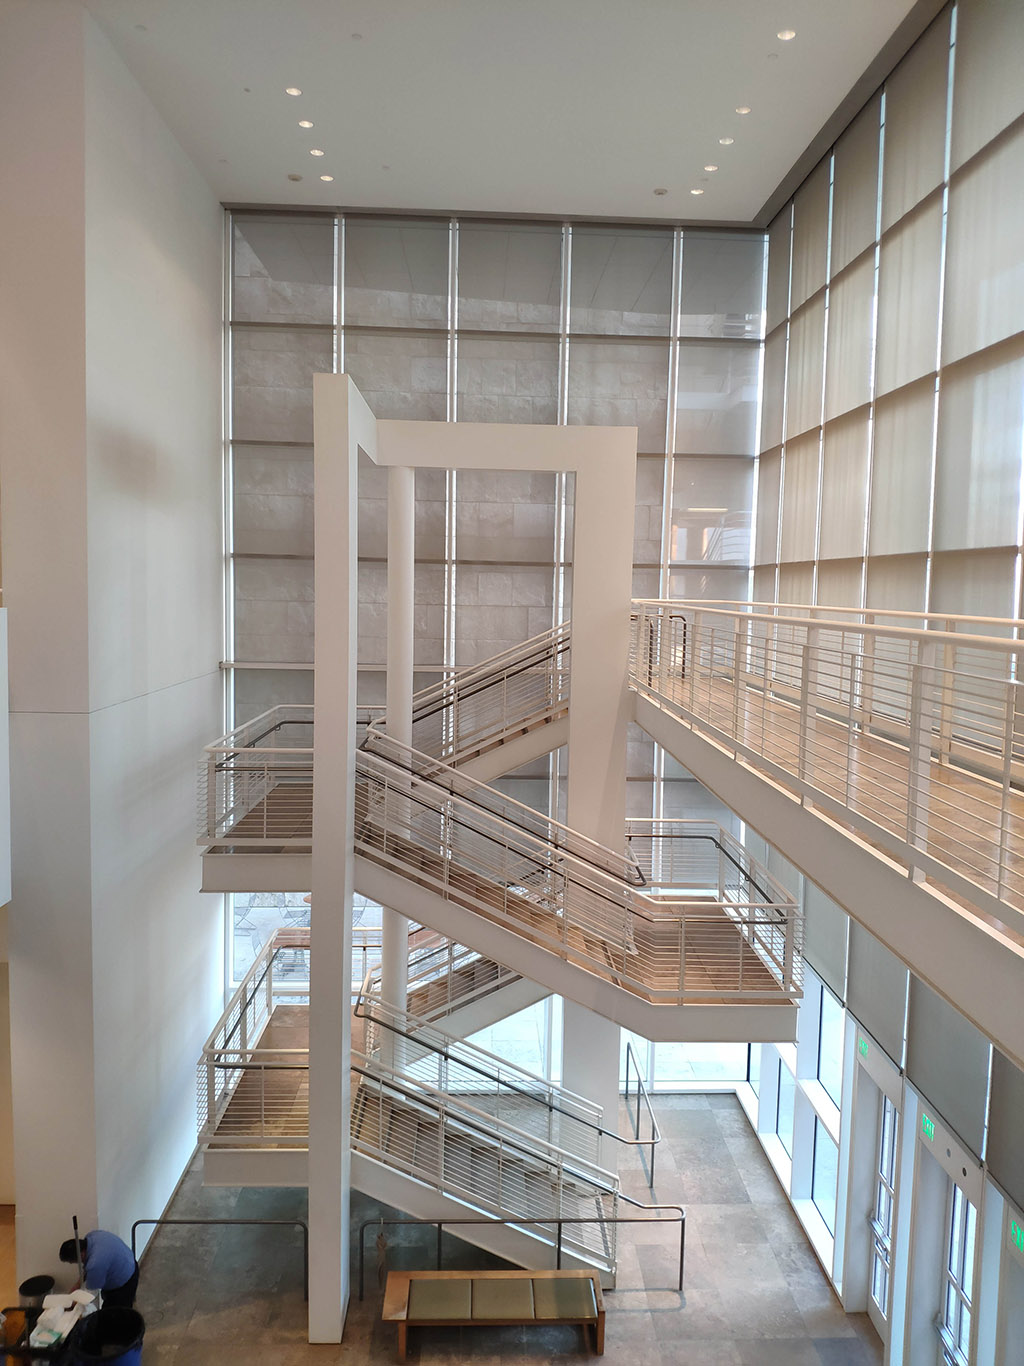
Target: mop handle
78, 1253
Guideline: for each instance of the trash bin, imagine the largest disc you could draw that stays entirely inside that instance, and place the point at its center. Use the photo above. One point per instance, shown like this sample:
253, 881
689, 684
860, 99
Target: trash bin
113, 1334
33, 1291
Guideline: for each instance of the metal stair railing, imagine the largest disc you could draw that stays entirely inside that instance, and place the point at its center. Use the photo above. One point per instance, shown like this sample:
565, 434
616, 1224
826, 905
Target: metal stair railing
464, 1152
529, 1101
477, 707
912, 737
446, 977
459, 847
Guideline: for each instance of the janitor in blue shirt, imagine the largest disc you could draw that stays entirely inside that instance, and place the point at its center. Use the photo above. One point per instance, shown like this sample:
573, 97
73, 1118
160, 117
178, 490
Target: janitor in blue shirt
110, 1266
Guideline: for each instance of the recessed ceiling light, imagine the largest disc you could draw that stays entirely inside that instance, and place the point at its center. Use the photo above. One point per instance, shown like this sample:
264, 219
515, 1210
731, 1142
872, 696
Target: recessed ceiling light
696, 191
293, 176
305, 123
711, 168
316, 151
292, 90
786, 33
327, 177
660, 190
727, 142
743, 109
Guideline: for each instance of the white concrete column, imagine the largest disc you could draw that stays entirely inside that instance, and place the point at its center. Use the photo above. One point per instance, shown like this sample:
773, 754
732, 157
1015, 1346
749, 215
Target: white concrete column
342, 422
401, 575
598, 719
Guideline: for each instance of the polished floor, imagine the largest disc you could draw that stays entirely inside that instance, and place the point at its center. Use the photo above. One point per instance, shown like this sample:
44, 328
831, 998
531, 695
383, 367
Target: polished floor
755, 1294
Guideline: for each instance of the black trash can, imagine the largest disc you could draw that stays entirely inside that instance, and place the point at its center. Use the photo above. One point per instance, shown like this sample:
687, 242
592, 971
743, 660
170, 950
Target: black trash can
33, 1291
113, 1334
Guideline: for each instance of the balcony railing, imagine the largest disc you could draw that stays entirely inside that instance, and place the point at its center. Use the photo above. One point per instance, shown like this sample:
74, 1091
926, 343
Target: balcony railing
912, 737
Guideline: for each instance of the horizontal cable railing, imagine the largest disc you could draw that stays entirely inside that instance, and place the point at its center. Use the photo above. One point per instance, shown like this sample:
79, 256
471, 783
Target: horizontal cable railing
533, 1104
444, 976
450, 1144
570, 897
474, 709
913, 737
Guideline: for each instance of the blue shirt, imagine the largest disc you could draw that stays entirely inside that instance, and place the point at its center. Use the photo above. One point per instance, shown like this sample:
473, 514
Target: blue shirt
108, 1261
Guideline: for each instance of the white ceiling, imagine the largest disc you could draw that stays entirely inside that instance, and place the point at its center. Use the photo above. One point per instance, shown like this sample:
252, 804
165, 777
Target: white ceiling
564, 107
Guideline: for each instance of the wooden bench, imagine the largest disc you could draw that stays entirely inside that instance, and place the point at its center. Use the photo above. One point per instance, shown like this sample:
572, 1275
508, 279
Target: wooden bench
423, 1299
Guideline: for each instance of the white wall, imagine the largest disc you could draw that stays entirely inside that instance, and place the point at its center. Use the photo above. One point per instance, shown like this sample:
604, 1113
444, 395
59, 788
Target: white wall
111, 459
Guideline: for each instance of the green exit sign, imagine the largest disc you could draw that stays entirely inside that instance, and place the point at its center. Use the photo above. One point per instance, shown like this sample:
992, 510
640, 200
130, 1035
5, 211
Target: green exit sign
928, 1128
862, 1047
1017, 1235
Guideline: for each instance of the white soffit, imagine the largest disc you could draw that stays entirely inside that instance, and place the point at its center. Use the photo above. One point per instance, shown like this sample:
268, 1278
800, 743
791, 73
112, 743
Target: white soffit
561, 107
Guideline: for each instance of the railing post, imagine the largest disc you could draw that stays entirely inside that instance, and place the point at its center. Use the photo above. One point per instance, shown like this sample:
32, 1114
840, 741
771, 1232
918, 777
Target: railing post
271, 958
808, 705
922, 727
211, 1094
211, 795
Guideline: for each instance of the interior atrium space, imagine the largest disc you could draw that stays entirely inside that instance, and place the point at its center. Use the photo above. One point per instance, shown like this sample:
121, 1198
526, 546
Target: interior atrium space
512, 550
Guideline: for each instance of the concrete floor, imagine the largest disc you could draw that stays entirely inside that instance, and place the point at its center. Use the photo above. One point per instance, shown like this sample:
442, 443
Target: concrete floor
755, 1295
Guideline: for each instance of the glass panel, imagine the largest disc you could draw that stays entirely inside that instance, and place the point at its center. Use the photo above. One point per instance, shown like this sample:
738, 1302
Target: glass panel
716, 402
825, 1176
839, 584
855, 187
800, 500
984, 297
722, 286
510, 277
978, 471
272, 377
977, 584
773, 388
711, 508
915, 123
620, 384
505, 380
684, 1063
754, 1067
255, 918
804, 373
844, 480
283, 270
400, 375
830, 1045
784, 1115
274, 611
810, 235
650, 497
850, 340
713, 585
396, 273
505, 515
908, 298
521, 1038
901, 471
273, 500
780, 236
769, 479
987, 93
621, 282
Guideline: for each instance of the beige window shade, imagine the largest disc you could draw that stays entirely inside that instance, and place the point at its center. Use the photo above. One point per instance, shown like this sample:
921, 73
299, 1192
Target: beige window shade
974, 583
1005, 1153
984, 300
876, 990
850, 320
779, 242
915, 123
796, 583
769, 474
826, 928
810, 235
978, 466
908, 298
764, 584
800, 500
988, 93
844, 481
855, 187
897, 582
901, 470
774, 388
839, 583
803, 375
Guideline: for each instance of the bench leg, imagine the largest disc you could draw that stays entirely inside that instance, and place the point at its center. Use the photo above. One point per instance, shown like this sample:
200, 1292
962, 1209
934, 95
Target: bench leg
402, 1341
599, 1334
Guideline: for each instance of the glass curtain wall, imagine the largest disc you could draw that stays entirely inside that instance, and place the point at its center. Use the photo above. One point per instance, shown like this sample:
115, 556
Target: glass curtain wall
891, 436
485, 321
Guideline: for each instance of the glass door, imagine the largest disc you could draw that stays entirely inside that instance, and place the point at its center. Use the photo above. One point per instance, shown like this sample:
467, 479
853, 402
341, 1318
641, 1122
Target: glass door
881, 1219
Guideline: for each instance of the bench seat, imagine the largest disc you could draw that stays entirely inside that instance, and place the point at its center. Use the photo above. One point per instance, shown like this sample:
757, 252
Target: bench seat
421, 1299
